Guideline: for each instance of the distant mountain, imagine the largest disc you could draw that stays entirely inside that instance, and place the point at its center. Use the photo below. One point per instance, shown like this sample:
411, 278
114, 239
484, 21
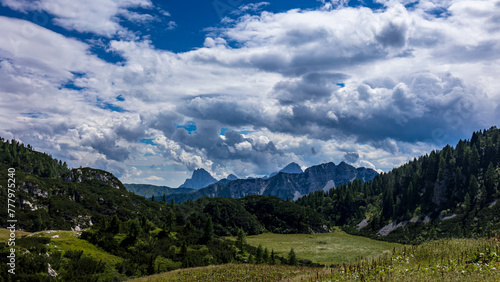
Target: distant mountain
292, 168
228, 179
232, 177
200, 179
284, 185
148, 190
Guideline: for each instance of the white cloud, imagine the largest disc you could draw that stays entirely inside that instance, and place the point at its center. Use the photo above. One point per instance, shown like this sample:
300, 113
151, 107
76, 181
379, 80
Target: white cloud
154, 178
96, 16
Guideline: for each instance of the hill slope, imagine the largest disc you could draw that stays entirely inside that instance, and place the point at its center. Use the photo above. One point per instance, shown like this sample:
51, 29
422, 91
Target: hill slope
447, 193
49, 195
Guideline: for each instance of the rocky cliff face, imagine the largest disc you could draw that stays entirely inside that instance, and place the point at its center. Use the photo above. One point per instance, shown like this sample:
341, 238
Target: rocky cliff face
200, 179
82, 174
285, 185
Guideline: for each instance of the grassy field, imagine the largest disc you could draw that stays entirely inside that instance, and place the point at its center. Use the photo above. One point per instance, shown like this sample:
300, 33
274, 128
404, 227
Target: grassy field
235, 272
5, 234
325, 248
65, 241
443, 260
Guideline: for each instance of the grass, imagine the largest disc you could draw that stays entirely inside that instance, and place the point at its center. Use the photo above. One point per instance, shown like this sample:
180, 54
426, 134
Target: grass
234, 272
325, 248
443, 260
5, 234
68, 240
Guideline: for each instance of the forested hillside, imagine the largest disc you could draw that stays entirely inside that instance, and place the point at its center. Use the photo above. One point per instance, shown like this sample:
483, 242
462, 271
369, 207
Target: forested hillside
143, 236
49, 195
447, 193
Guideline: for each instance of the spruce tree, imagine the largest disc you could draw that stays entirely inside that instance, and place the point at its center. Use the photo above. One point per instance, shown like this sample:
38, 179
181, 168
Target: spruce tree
208, 232
241, 240
260, 255
265, 257
292, 258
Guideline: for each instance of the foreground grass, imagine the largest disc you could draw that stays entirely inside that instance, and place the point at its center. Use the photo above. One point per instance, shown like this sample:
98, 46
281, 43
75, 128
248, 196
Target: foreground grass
443, 260
235, 272
325, 248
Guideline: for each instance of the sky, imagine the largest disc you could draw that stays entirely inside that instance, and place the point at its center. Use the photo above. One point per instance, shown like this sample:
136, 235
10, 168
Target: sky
151, 90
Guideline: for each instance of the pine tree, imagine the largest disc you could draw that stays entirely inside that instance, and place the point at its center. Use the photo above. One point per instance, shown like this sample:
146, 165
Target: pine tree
273, 257
265, 257
489, 180
467, 202
251, 259
292, 258
170, 222
259, 255
208, 232
241, 240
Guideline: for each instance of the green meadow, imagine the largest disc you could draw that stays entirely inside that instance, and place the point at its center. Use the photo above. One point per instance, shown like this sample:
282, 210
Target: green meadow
325, 248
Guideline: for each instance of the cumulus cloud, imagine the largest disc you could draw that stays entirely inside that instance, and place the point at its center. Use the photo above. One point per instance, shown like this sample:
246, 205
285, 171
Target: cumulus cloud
100, 17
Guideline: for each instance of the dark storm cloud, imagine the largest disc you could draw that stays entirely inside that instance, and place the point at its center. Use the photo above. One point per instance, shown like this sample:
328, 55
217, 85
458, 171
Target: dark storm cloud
411, 110
107, 146
323, 58
225, 110
164, 121
131, 132
233, 137
310, 87
234, 146
393, 35
351, 157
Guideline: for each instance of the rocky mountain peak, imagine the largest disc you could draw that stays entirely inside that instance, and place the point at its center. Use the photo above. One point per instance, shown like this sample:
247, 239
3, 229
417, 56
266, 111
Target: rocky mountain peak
292, 168
200, 179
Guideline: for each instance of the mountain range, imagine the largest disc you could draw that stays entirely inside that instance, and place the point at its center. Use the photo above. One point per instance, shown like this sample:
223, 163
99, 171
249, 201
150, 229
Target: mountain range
283, 185
290, 182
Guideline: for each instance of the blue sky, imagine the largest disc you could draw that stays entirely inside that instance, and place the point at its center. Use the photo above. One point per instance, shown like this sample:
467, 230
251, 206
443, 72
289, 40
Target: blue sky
151, 90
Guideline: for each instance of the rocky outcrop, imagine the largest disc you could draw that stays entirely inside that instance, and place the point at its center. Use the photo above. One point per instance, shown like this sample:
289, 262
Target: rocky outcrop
83, 174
